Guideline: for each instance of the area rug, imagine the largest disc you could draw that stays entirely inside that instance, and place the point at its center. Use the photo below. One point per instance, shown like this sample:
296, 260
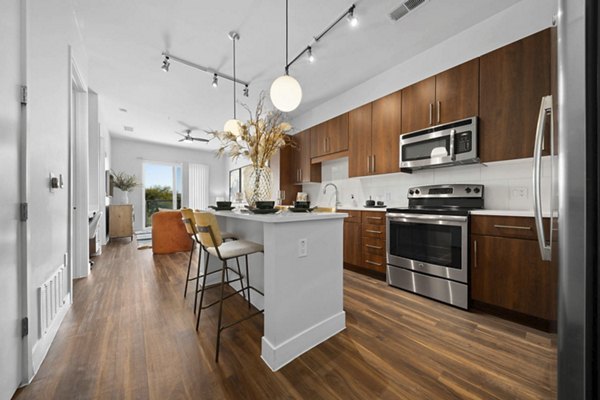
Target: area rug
144, 240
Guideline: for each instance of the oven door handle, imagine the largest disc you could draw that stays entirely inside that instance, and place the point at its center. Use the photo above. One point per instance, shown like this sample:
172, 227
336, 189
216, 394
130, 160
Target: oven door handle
426, 217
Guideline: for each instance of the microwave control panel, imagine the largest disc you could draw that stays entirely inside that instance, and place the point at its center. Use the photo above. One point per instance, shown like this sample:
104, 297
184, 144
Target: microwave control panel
463, 142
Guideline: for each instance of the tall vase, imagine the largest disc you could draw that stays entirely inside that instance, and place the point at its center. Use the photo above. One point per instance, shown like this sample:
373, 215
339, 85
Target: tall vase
257, 184
120, 197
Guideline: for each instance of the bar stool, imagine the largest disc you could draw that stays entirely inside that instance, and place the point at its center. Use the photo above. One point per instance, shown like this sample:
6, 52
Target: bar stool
209, 235
187, 218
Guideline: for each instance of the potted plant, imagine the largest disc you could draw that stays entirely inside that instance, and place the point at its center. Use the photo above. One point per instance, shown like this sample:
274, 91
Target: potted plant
258, 140
125, 183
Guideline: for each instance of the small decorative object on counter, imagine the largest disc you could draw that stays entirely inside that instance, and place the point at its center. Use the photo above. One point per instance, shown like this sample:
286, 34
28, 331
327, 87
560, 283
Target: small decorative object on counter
125, 183
258, 140
370, 202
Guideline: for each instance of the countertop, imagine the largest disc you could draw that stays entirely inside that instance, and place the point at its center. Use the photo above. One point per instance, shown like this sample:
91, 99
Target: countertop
282, 217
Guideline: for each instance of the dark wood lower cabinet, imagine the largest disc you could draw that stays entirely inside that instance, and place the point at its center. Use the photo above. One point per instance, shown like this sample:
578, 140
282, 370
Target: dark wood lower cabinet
352, 243
364, 242
509, 278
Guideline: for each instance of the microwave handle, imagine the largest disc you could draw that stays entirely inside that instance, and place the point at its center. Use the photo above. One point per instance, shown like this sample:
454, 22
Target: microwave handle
452, 155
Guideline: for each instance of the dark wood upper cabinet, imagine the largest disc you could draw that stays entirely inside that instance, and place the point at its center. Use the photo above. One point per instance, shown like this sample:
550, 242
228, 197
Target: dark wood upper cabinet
513, 80
304, 171
359, 137
330, 136
457, 93
448, 96
288, 172
386, 127
417, 105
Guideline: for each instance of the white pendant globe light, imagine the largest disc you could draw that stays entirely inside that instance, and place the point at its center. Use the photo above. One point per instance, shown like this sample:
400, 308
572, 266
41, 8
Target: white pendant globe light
233, 125
286, 93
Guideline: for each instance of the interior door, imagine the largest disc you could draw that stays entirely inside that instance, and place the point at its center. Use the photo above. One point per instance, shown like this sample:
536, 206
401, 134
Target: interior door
10, 125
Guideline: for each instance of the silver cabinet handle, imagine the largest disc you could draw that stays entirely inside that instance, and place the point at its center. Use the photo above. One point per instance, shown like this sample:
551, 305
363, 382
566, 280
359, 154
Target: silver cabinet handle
373, 156
300, 174
475, 253
372, 262
439, 107
373, 247
430, 113
375, 218
524, 228
545, 110
370, 231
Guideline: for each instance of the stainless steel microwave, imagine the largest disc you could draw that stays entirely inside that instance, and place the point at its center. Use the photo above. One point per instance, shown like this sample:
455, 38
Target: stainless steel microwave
442, 145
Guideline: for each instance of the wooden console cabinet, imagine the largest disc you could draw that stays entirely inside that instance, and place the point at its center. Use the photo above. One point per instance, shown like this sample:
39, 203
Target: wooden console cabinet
120, 221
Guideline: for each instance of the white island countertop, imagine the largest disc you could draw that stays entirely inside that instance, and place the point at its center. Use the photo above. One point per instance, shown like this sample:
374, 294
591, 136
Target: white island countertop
282, 216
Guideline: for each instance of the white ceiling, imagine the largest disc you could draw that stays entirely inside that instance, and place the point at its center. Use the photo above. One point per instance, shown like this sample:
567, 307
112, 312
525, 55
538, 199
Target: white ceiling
125, 39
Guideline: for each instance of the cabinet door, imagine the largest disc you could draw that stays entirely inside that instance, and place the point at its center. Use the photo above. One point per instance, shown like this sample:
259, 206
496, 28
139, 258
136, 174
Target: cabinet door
513, 80
307, 172
457, 93
318, 140
352, 244
337, 134
385, 138
359, 137
509, 273
417, 105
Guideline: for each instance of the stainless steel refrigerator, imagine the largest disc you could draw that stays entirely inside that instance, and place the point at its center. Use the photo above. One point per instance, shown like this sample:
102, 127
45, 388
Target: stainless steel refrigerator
577, 103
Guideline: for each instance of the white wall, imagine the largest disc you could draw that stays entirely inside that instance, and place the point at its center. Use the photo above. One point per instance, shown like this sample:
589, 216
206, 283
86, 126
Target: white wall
51, 29
129, 156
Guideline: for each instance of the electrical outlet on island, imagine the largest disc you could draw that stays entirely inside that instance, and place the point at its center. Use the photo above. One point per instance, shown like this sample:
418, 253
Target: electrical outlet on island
302, 247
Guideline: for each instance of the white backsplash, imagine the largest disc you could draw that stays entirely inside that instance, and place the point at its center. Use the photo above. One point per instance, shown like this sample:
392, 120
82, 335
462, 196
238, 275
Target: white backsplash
508, 184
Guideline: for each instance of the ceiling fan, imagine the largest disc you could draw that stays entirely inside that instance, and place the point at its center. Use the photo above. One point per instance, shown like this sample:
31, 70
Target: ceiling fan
186, 136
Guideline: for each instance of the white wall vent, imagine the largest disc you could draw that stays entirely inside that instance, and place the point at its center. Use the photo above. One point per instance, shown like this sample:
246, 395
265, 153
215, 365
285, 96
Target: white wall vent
52, 298
405, 8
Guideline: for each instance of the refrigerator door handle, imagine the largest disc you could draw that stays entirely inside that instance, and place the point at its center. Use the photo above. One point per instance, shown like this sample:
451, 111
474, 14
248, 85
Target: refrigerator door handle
545, 112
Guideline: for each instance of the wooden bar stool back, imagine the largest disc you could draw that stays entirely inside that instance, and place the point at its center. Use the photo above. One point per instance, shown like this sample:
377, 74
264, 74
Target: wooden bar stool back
210, 237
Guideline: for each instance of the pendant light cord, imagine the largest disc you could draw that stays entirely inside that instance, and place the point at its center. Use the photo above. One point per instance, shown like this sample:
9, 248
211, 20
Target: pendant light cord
234, 81
286, 37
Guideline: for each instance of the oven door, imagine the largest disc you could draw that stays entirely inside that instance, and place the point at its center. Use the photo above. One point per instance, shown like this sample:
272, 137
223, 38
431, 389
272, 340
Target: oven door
431, 244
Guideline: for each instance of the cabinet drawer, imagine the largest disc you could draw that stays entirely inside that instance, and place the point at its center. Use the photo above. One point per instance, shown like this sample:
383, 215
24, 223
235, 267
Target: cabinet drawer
353, 216
374, 262
373, 217
513, 227
374, 246
373, 231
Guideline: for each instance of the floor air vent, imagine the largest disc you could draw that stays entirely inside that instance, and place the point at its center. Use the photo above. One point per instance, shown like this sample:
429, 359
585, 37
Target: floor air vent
405, 8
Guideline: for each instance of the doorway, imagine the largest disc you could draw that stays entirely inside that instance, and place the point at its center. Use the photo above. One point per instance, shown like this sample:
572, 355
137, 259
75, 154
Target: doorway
163, 184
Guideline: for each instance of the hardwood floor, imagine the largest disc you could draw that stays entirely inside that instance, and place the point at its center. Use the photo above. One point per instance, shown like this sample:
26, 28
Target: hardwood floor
131, 335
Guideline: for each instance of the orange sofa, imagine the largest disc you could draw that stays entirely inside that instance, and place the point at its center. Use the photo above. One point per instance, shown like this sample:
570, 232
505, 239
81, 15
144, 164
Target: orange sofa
168, 233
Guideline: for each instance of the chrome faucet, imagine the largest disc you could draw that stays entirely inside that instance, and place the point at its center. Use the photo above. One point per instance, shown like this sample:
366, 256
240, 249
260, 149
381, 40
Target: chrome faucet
337, 203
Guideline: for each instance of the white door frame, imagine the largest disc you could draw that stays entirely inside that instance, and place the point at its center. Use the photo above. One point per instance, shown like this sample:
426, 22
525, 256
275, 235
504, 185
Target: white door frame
77, 235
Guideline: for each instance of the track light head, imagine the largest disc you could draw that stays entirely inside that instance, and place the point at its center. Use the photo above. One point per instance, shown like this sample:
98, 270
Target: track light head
311, 57
246, 91
165, 64
215, 81
352, 18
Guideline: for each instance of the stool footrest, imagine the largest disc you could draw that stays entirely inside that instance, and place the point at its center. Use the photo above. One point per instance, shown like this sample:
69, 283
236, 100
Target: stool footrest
241, 320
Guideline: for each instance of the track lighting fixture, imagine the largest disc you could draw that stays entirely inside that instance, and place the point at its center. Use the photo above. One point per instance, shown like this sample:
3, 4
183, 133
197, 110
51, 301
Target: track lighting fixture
216, 74
246, 91
165, 64
286, 92
351, 17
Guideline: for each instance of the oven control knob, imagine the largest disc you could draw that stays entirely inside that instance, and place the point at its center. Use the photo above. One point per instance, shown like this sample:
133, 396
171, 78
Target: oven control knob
417, 192
468, 190
411, 192
477, 190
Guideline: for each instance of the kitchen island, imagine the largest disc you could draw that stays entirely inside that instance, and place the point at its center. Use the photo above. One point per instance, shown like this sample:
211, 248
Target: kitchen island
300, 274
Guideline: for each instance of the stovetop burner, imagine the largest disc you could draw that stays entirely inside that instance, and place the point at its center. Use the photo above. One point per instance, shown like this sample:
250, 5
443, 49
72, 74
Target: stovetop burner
457, 199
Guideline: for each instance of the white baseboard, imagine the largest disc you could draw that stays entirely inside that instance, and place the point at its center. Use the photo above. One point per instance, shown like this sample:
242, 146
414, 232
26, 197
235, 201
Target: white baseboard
278, 356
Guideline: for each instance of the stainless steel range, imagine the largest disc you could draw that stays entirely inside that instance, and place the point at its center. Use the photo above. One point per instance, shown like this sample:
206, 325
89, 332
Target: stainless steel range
428, 242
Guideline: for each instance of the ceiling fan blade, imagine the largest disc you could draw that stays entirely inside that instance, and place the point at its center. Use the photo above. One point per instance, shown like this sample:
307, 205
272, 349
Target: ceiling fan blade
180, 134
182, 140
200, 139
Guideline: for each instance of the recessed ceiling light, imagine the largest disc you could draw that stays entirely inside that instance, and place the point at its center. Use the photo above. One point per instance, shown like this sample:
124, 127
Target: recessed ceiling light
123, 109
128, 128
